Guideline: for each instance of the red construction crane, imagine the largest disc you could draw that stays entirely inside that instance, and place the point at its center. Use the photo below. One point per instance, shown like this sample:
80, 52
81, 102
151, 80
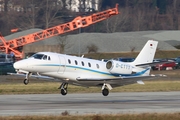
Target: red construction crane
79, 22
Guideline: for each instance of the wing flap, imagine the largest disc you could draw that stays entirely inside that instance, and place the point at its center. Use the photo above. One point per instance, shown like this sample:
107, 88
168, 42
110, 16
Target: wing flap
121, 78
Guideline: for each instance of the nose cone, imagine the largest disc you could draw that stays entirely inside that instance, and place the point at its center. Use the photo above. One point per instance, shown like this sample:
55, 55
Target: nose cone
22, 64
17, 65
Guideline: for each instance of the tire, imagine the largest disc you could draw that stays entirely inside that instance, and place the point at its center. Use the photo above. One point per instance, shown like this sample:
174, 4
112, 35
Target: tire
63, 91
105, 92
26, 81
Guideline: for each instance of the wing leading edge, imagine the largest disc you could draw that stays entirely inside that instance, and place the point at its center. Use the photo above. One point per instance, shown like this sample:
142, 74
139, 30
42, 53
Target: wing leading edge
47, 78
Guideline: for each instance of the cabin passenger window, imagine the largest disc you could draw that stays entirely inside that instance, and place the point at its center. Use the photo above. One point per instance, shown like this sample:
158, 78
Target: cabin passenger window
97, 66
76, 62
82, 63
49, 58
69, 61
89, 64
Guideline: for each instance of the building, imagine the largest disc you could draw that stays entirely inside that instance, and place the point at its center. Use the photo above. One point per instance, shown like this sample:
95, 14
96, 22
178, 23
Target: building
73, 5
83, 5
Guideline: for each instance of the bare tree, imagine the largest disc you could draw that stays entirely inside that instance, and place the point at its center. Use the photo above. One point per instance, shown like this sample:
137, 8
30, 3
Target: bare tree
30, 15
151, 18
175, 16
64, 4
63, 43
36, 11
92, 48
132, 48
6, 18
99, 4
138, 19
6, 5
117, 22
51, 10
93, 2
82, 5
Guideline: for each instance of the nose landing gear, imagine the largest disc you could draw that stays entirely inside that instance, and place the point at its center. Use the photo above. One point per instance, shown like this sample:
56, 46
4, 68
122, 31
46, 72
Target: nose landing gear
26, 80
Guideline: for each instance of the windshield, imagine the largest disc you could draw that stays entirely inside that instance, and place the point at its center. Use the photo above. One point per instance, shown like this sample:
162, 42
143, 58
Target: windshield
37, 56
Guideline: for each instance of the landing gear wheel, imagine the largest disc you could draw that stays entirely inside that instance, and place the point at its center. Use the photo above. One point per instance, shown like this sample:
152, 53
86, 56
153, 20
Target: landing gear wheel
63, 91
63, 88
105, 92
26, 81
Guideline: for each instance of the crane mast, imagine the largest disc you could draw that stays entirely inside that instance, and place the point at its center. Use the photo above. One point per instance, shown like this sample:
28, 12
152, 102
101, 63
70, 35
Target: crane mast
79, 22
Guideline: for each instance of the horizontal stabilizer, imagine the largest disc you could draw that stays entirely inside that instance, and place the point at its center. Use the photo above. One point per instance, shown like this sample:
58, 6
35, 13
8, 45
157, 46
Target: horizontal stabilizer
153, 63
140, 82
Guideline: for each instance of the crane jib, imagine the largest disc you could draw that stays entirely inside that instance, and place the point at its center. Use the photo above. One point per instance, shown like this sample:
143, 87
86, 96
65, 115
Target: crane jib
79, 22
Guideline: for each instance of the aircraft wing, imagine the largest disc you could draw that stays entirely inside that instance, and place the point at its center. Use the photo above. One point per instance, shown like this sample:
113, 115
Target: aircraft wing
35, 76
120, 81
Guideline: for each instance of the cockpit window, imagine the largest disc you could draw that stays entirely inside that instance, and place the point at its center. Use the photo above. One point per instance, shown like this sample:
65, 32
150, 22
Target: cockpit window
41, 56
45, 57
38, 56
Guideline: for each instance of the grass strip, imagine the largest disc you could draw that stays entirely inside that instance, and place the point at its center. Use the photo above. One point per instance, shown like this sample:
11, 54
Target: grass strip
52, 87
143, 116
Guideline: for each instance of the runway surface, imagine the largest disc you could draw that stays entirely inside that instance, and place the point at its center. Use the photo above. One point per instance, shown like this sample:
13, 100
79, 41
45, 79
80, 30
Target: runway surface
95, 103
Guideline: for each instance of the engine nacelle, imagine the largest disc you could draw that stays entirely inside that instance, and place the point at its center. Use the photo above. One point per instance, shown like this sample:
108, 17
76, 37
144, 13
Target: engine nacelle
117, 67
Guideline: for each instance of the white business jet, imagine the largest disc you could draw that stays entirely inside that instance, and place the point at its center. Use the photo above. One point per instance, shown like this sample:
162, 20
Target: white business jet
89, 72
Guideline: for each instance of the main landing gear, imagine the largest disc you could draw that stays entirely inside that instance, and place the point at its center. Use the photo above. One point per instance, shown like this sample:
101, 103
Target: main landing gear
26, 80
63, 88
105, 89
105, 92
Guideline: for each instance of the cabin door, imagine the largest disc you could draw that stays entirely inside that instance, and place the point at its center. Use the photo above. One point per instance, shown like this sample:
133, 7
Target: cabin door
62, 65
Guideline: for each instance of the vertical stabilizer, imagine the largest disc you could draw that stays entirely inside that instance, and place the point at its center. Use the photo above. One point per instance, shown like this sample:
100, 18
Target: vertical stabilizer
147, 53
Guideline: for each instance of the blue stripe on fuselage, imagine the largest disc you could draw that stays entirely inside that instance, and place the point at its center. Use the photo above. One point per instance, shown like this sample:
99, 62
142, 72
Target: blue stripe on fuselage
99, 72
